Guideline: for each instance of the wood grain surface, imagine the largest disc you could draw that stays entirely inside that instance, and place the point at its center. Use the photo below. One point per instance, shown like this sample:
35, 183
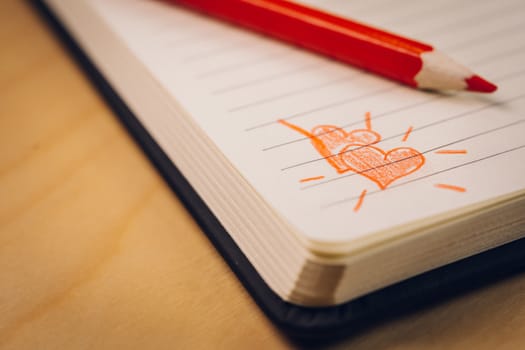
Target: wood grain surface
97, 253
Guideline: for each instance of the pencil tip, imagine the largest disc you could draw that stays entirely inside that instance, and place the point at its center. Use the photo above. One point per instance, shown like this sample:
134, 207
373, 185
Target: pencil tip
478, 84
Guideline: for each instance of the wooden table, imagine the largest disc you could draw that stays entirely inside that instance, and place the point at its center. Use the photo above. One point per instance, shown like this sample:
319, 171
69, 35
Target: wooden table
97, 252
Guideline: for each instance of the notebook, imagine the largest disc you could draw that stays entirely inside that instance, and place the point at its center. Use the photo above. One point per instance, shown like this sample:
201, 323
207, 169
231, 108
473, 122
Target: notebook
332, 192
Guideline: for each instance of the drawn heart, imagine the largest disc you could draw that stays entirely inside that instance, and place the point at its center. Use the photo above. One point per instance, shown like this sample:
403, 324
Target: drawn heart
334, 137
379, 166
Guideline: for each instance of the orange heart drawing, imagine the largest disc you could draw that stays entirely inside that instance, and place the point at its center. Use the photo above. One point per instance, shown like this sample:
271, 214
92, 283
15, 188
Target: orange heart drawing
334, 137
355, 151
329, 140
379, 166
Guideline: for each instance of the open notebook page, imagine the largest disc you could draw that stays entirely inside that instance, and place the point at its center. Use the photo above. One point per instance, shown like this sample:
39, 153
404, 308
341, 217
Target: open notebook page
274, 111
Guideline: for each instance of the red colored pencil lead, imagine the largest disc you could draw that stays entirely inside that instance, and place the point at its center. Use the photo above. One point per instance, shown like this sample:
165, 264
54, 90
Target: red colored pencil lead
478, 84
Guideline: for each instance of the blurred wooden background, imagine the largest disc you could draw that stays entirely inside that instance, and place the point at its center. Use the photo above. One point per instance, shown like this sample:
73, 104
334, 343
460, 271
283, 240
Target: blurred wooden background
96, 251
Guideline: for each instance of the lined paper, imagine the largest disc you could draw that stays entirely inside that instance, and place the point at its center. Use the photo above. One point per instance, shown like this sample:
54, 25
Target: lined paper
245, 91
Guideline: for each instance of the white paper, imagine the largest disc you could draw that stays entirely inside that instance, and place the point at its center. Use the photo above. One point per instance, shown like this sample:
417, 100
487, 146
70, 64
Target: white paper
237, 85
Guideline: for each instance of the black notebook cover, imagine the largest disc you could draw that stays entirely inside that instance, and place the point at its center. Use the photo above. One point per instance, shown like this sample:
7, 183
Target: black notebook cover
300, 321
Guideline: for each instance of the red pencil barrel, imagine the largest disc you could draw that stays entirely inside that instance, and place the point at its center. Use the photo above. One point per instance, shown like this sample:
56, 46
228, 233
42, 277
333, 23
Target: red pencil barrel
348, 41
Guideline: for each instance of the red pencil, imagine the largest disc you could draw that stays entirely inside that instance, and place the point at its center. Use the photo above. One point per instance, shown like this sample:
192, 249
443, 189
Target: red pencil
405, 60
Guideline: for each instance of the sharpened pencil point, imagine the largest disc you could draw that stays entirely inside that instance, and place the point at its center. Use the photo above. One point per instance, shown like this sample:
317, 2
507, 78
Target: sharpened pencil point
478, 84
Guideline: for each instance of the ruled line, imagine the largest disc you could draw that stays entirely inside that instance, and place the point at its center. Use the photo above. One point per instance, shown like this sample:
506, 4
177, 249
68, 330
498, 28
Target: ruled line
420, 15
326, 106
193, 38
267, 78
480, 39
375, 7
296, 92
513, 74
414, 130
344, 200
483, 133
214, 52
462, 22
162, 28
232, 67
248, 63
507, 53
377, 116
